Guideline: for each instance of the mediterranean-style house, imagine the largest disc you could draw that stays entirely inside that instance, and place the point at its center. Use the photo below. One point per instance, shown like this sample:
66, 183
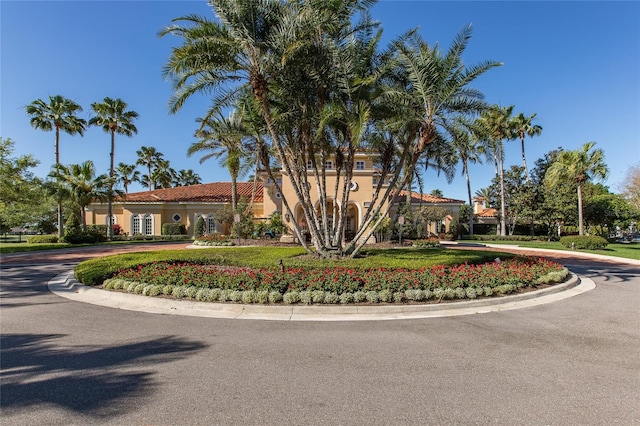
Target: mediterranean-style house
145, 212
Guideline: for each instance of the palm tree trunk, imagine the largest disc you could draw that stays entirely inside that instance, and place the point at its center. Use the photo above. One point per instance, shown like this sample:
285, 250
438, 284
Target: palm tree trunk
524, 159
60, 218
580, 217
466, 174
110, 194
503, 207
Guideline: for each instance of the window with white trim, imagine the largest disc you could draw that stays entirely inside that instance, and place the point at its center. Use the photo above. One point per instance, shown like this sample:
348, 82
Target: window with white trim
148, 224
328, 164
279, 181
211, 224
113, 220
309, 165
136, 224
359, 165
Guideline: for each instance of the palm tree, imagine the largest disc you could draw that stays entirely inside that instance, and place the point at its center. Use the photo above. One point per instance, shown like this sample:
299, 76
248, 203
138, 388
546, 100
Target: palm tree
148, 157
163, 174
222, 138
466, 150
127, 174
186, 177
523, 126
113, 117
83, 186
578, 166
498, 124
59, 114
437, 85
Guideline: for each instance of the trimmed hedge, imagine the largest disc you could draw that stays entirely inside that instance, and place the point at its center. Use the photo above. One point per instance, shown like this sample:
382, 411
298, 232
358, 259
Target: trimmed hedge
174, 229
42, 239
584, 242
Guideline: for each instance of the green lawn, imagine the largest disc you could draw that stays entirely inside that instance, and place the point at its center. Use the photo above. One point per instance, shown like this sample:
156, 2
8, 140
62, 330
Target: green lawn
627, 251
6, 248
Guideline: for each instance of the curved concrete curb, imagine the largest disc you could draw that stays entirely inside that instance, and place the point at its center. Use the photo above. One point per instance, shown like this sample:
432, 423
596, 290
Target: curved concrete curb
66, 286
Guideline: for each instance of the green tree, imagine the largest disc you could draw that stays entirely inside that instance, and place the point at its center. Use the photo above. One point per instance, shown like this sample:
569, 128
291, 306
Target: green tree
465, 147
578, 166
498, 124
148, 157
112, 116
186, 177
59, 115
315, 74
23, 199
127, 174
83, 186
524, 126
223, 138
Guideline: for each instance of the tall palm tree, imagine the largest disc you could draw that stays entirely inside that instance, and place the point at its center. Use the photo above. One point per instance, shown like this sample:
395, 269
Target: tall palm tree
84, 187
113, 117
466, 150
148, 157
498, 124
127, 174
523, 126
59, 114
222, 138
578, 166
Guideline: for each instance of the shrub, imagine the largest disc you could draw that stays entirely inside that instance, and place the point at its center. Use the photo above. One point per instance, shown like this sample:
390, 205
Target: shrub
167, 290
200, 227
306, 297
471, 292
398, 297
191, 292
174, 229
584, 242
291, 297
331, 298
248, 296
213, 294
262, 296
178, 292
359, 296
373, 297
42, 239
386, 296
346, 298
275, 297
427, 243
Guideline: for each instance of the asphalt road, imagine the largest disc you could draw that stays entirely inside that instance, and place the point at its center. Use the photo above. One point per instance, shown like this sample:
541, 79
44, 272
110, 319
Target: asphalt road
576, 361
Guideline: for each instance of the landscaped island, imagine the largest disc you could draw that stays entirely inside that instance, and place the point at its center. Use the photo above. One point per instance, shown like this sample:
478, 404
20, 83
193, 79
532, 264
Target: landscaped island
286, 275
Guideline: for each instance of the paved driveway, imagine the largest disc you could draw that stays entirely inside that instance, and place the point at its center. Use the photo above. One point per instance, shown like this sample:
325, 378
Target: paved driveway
576, 361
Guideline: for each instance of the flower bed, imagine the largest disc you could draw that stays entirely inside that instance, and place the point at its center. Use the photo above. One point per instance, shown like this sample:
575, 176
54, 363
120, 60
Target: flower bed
213, 240
335, 285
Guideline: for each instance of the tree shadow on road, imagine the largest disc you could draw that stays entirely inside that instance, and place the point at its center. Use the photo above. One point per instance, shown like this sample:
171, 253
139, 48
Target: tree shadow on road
36, 370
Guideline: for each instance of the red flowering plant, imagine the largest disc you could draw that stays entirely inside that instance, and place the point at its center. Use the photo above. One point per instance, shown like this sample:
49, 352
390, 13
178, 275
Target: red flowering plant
519, 272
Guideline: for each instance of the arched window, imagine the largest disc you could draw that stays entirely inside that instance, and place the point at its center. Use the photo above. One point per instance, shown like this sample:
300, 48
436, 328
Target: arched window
136, 224
142, 224
148, 224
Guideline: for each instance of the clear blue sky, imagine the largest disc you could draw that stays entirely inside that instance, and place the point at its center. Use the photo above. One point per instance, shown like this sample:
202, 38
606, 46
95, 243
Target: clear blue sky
575, 64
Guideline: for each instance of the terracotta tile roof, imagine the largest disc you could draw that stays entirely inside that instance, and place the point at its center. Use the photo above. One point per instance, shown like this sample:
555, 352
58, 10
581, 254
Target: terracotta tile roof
218, 192
417, 198
488, 213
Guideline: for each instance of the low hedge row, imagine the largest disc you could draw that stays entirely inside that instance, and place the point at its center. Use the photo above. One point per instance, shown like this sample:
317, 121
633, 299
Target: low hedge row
584, 242
477, 237
308, 297
42, 239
